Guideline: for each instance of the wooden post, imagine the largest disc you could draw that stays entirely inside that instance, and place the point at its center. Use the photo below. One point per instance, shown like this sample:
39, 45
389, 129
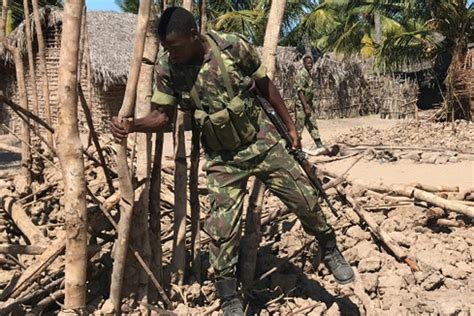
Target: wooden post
25, 149
3, 20
203, 16
195, 206
139, 235
70, 154
42, 65
125, 181
31, 64
180, 201
155, 213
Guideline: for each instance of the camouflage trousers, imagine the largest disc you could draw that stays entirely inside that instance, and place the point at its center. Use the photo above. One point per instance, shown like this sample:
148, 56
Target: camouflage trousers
227, 183
309, 121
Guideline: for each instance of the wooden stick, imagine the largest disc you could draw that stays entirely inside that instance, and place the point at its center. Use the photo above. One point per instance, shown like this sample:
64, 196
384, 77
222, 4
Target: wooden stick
12, 149
23, 222
107, 205
95, 139
27, 113
377, 230
195, 205
125, 181
3, 20
34, 270
20, 77
180, 202
31, 63
31, 147
435, 188
22, 249
42, 65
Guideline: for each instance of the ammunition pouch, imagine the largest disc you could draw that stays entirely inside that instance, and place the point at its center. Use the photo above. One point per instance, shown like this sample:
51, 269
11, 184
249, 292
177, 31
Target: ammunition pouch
228, 129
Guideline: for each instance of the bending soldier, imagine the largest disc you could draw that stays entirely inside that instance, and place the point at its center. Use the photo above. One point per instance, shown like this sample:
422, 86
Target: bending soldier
217, 76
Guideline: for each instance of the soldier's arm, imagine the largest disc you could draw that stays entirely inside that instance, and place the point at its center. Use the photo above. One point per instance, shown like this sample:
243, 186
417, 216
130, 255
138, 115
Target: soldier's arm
271, 93
158, 119
302, 98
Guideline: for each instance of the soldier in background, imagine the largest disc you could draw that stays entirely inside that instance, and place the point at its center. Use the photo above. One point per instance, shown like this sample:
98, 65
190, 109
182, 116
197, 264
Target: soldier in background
304, 109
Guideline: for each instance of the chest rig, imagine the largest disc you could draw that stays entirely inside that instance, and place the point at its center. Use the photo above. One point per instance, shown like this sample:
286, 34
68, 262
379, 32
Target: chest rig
232, 127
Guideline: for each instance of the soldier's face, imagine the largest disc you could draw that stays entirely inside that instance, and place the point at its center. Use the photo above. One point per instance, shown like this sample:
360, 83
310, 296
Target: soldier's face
308, 63
182, 48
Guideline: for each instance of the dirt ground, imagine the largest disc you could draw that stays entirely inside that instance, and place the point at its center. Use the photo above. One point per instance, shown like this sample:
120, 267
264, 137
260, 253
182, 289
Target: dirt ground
290, 278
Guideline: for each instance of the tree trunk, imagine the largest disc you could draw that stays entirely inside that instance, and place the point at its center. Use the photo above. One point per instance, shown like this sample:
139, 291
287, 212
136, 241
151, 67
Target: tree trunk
378, 28
42, 65
70, 154
25, 148
31, 63
203, 15
272, 34
139, 235
125, 181
3, 20
188, 5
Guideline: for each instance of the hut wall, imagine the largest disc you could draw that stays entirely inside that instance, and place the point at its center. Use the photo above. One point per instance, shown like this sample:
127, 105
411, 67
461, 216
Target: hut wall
104, 103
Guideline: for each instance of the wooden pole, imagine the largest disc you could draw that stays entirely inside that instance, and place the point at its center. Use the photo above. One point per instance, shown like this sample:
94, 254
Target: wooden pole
180, 201
3, 20
42, 64
195, 205
140, 234
125, 181
155, 212
20, 77
70, 154
31, 63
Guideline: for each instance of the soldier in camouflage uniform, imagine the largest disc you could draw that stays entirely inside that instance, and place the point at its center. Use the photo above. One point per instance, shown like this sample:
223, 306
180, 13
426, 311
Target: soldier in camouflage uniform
217, 77
304, 107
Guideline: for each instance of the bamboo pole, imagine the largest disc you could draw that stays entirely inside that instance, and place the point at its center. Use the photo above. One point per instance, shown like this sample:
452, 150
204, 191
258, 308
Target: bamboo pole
31, 63
20, 77
42, 65
125, 182
70, 154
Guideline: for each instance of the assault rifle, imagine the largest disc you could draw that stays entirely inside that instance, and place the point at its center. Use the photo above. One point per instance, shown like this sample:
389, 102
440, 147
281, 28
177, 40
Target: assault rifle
298, 154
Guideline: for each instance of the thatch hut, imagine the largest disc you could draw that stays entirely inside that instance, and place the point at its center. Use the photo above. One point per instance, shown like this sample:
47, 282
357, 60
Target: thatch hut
107, 49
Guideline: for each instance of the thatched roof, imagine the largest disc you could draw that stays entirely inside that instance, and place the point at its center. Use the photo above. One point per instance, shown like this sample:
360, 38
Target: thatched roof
110, 42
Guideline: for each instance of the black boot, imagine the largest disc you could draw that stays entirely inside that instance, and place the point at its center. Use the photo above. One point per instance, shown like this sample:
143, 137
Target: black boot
334, 260
230, 301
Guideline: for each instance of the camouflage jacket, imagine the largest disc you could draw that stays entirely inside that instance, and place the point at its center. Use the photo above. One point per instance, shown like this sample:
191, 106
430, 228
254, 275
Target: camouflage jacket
175, 81
305, 83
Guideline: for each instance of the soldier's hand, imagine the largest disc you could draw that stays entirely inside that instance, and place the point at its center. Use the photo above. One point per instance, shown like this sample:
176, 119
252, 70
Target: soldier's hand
307, 111
295, 140
120, 128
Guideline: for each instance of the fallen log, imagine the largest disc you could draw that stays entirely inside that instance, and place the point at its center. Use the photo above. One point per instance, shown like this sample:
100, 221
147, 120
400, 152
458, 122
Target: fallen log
12, 149
412, 192
21, 249
23, 221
